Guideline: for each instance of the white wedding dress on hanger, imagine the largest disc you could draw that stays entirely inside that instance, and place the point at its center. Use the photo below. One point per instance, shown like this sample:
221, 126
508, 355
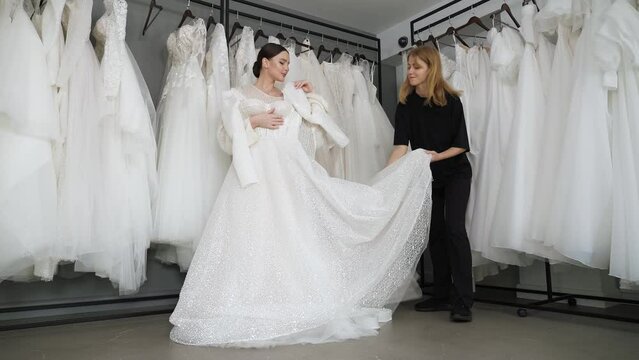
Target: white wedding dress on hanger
554, 125
617, 51
579, 219
332, 159
81, 98
291, 255
186, 190
217, 82
506, 49
128, 160
511, 225
28, 126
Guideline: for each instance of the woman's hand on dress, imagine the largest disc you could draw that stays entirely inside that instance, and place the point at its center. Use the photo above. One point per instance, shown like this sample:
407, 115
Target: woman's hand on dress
304, 85
267, 120
434, 155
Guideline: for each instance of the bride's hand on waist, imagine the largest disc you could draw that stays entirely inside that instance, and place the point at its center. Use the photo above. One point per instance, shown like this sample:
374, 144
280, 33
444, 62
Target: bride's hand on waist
304, 85
267, 120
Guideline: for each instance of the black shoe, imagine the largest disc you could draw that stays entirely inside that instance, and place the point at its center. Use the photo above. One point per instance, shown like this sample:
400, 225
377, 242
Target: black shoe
433, 304
461, 313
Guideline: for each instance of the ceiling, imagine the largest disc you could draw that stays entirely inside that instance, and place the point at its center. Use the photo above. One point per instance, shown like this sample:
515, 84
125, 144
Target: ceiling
372, 16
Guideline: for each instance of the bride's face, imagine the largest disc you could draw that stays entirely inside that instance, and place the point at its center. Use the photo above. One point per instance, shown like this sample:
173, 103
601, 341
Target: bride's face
417, 71
277, 66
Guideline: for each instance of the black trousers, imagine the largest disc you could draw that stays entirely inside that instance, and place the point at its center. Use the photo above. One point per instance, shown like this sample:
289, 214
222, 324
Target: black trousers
448, 243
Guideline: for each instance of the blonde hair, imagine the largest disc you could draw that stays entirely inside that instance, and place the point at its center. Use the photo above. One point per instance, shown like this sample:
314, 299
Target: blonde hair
436, 86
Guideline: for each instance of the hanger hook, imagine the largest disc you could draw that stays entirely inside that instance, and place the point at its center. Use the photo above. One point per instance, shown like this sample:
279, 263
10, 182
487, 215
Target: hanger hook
260, 22
188, 4
237, 15
322, 38
292, 29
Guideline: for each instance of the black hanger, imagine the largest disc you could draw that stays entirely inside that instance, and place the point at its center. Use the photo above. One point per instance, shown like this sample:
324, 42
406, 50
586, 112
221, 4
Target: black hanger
526, 2
474, 21
187, 14
322, 49
149, 20
307, 47
211, 20
260, 33
506, 8
235, 27
280, 35
451, 31
501, 22
336, 51
297, 42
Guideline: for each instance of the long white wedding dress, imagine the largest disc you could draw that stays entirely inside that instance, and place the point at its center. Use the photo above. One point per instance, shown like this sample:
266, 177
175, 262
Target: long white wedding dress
128, 156
186, 190
618, 54
579, 219
511, 225
291, 255
28, 126
217, 82
81, 98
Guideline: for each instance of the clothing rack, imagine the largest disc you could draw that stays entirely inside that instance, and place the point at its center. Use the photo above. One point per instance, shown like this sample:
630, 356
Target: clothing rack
414, 32
234, 12
552, 297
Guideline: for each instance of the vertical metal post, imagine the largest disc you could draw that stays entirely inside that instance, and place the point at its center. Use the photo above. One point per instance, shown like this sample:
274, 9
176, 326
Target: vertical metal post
549, 291
379, 70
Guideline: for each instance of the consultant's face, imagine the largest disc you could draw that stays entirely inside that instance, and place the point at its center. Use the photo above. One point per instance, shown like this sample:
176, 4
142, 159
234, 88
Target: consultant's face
417, 71
277, 66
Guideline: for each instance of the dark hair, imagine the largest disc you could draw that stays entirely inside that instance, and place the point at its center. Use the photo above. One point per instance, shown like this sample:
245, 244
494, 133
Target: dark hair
267, 51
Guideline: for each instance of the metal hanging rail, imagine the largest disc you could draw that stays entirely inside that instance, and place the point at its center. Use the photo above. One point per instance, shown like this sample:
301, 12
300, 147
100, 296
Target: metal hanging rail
230, 12
413, 32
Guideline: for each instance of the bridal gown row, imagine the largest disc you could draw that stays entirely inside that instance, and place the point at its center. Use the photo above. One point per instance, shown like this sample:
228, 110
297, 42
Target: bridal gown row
79, 186
555, 129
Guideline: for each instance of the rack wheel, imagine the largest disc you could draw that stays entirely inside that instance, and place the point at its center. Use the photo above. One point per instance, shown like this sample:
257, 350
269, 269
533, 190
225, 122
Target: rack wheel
572, 302
522, 312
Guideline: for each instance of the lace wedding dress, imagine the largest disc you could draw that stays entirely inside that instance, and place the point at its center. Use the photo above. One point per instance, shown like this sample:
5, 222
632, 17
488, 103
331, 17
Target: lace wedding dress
185, 164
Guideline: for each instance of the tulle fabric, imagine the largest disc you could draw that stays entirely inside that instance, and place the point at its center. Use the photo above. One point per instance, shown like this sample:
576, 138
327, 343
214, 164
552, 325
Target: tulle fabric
128, 179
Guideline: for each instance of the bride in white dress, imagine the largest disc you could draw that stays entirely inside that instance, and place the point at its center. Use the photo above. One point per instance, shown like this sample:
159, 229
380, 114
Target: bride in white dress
289, 254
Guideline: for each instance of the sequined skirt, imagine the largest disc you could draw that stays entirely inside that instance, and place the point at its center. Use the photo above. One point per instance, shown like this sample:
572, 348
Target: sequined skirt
301, 257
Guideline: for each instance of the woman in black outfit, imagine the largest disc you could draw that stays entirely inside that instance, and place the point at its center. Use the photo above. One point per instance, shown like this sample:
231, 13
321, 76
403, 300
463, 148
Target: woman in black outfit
430, 116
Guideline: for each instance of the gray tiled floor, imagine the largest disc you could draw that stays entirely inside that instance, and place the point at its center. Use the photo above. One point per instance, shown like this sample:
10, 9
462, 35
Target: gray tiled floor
496, 333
